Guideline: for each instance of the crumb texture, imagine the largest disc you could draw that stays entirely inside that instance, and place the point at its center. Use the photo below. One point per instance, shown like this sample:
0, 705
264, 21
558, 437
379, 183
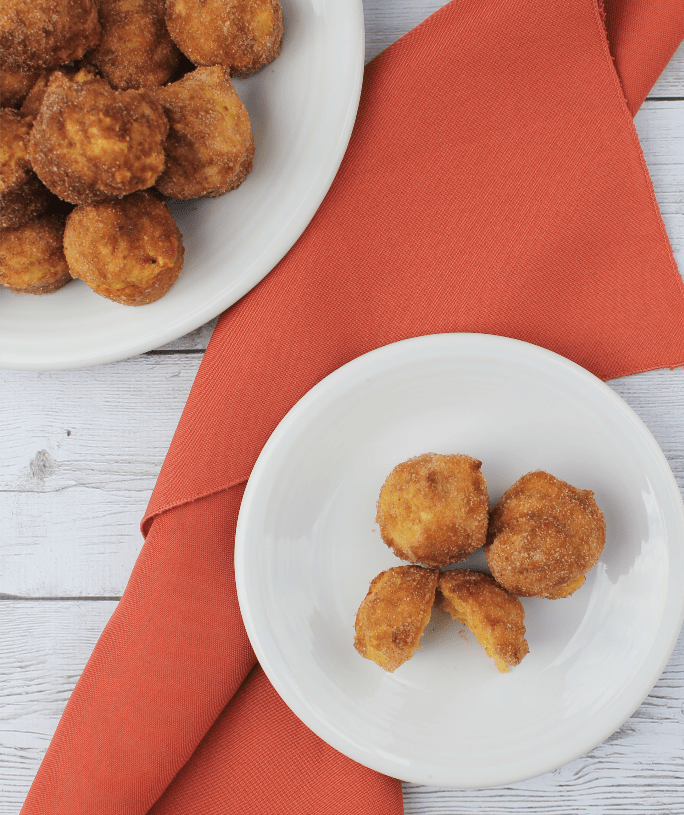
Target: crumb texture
495, 616
394, 613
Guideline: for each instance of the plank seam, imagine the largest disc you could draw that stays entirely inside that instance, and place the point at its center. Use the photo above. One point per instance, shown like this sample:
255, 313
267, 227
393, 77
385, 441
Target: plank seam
65, 599
162, 352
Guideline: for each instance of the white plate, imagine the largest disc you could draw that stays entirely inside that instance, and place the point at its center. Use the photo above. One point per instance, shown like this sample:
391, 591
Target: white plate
307, 548
302, 109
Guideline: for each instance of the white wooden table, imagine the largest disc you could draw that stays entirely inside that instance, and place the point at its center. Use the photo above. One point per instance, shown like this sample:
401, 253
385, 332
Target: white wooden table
80, 452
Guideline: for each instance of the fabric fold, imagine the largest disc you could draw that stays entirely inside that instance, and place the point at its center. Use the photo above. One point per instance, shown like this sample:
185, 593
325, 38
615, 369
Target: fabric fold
257, 731
643, 37
493, 183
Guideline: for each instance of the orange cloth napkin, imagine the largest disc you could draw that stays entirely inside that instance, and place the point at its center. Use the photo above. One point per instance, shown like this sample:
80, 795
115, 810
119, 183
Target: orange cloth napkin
493, 183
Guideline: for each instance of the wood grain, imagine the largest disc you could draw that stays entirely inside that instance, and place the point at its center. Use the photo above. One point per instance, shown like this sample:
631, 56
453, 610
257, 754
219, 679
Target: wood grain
671, 81
660, 126
44, 646
76, 478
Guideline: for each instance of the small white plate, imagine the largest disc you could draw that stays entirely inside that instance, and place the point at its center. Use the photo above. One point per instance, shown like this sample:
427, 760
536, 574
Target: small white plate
302, 108
307, 547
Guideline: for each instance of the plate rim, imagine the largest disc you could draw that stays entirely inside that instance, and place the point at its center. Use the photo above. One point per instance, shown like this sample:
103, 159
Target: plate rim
43, 360
298, 704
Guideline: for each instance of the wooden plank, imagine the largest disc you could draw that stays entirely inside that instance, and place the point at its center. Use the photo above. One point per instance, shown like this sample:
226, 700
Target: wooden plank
660, 126
81, 451
637, 771
43, 648
671, 81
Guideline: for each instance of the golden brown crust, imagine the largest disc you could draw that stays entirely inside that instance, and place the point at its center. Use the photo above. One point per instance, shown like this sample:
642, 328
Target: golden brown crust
34, 99
90, 143
31, 257
544, 536
495, 616
15, 83
241, 35
46, 33
130, 251
22, 196
394, 614
210, 147
136, 50
433, 509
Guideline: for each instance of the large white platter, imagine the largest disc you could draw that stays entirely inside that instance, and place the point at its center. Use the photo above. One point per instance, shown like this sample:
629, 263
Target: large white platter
307, 547
302, 109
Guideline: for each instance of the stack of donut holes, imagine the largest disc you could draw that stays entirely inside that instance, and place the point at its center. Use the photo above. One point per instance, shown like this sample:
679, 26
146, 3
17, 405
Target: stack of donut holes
108, 109
540, 540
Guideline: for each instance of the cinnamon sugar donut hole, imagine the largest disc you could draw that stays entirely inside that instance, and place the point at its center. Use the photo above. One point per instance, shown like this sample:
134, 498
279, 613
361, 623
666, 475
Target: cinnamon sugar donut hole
136, 50
91, 143
433, 509
46, 33
544, 536
241, 35
32, 258
129, 251
209, 148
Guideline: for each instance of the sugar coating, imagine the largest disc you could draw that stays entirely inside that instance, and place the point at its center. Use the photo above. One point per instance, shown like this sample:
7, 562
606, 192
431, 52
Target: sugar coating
15, 83
91, 143
544, 536
46, 33
22, 196
495, 616
34, 98
210, 147
241, 35
130, 251
394, 613
136, 50
31, 256
433, 509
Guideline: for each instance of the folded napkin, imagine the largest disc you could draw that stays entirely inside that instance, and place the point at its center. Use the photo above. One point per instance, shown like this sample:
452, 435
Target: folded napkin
493, 183
643, 35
